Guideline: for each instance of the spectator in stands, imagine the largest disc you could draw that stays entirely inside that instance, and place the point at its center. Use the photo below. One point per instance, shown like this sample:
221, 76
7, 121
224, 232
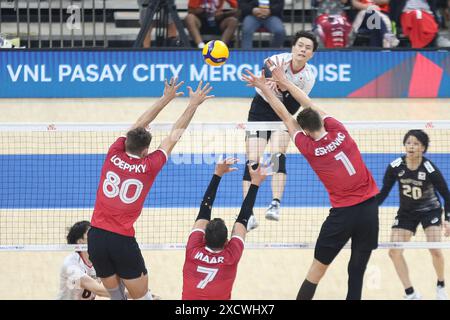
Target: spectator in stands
171, 27
267, 14
417, 19
373, 20
209, 17
331, 24
443, 13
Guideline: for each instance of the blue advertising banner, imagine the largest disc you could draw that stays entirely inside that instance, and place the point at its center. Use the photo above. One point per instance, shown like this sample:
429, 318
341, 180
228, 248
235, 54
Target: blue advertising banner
63, 74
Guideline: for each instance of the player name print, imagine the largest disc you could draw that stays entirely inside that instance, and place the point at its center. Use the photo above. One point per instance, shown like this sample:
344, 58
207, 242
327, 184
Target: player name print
331, 146
137, 168
205, 258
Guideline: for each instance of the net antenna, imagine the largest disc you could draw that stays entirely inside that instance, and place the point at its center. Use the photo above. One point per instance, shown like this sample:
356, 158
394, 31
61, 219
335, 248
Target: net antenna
162, 9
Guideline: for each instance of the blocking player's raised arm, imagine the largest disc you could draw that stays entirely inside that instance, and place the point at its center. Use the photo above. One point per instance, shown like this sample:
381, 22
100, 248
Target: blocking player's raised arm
279, 108
257, 177
170, 93
204, 214
301, 96
196, 98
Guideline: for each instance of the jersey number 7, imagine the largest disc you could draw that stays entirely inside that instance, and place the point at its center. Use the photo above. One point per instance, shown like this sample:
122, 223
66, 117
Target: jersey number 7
210, 274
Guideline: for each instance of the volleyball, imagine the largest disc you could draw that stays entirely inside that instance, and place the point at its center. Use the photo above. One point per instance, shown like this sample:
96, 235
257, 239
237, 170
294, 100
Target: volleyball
215, 53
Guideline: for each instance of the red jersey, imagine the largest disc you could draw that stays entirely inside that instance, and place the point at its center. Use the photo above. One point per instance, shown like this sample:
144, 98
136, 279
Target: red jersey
383, 7
124, 184
208, 274
336, 159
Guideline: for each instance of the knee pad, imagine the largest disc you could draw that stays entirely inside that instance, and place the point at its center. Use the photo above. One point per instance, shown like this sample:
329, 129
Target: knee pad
279, 163
247, 172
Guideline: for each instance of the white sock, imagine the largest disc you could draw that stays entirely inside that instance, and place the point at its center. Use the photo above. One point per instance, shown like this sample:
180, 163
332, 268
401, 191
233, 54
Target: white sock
148, 296
201, 45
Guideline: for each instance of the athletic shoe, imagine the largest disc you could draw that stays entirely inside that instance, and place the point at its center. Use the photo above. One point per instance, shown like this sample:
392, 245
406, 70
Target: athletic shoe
413, 296
273, 212
441, 294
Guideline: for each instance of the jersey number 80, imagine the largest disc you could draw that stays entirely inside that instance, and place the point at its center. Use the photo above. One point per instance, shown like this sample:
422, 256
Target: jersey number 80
113, 188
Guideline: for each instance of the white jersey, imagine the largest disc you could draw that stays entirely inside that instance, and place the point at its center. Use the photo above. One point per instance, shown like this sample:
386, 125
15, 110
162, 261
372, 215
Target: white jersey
304, 79
72, 270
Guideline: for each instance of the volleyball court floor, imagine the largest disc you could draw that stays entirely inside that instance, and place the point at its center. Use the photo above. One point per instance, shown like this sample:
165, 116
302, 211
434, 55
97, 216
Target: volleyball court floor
262, 273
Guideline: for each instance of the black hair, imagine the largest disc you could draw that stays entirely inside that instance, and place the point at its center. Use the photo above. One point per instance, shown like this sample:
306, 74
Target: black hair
216, 234
420, 135
137, 140
77, 231
308, 35
309, 119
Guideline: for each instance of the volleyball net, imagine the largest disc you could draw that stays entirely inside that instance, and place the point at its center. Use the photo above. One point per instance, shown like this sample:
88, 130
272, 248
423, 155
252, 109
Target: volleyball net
49, 176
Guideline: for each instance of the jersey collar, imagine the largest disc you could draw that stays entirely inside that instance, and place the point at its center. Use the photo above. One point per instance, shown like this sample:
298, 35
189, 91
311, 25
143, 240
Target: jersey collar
321, 137
84, 261
132, 156
212, 251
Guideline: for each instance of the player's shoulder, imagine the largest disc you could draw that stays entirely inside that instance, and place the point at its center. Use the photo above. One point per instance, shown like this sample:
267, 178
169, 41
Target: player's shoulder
333, 123
196, 236
237, 239
396, 163
118, 144
235, 246
71, 261
429, 165
72, 258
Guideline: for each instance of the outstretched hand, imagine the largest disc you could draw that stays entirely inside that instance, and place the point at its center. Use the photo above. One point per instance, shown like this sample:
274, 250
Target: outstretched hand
198, 96
255, 81
225, 166
261, 173
278, 74
171, 87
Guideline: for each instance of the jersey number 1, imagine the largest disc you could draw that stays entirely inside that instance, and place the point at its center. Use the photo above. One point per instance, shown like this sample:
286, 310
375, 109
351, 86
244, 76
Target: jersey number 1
210, 274
112, 188
346, 161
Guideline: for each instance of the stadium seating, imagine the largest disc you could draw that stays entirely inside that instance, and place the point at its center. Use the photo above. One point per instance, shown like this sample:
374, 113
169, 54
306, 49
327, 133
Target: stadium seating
121, 17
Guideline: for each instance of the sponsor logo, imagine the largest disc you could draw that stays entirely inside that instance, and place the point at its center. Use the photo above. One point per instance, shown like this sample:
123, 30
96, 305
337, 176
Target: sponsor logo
422, 175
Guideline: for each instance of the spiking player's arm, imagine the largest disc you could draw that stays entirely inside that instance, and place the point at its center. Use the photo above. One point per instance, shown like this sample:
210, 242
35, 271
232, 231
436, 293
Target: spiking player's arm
170, 93
204, 214
257, 177
197, 97
388, 182
275, 103
92, 285
279, 76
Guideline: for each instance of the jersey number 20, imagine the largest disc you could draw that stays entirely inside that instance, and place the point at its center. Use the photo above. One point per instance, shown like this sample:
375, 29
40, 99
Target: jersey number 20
412, 192
113, 188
